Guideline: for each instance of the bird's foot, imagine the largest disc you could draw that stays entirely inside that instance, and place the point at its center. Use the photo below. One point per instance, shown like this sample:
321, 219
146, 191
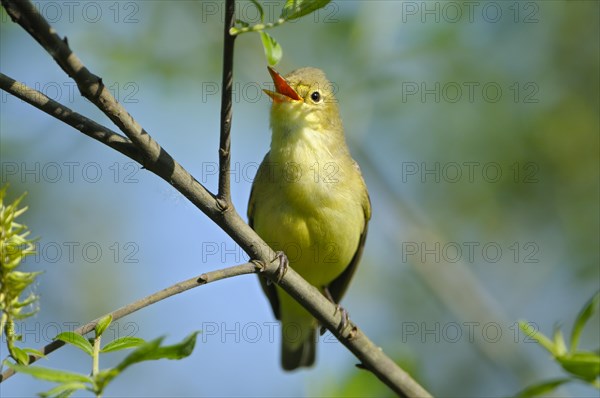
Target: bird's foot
283, 266
338, 308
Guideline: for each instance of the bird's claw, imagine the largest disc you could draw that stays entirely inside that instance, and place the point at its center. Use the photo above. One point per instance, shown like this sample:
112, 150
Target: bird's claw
345, 316
282, 268
343, 324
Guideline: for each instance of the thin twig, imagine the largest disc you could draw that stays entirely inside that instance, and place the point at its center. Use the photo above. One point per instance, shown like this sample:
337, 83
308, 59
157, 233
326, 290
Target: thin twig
224, 194
206, 278
74, 119
256, 28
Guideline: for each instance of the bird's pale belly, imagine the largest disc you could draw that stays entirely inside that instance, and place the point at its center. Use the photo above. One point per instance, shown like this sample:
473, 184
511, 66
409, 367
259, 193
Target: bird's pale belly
319, 246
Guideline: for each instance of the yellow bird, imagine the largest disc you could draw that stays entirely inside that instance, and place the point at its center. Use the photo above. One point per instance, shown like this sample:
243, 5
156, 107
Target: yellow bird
310, 201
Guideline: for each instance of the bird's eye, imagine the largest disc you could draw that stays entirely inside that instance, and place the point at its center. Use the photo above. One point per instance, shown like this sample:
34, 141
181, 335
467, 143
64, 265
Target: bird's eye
315, 96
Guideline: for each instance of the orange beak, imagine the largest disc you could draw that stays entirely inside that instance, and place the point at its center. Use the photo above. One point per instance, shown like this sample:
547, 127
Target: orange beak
283, 91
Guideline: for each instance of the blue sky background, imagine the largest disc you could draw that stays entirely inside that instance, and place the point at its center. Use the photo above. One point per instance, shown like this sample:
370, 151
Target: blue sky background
476, 128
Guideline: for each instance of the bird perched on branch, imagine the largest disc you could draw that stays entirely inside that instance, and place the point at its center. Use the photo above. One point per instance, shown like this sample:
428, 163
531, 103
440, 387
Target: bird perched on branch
308, 200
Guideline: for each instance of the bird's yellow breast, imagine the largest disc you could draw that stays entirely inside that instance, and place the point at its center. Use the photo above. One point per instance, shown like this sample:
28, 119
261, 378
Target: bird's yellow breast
307, 205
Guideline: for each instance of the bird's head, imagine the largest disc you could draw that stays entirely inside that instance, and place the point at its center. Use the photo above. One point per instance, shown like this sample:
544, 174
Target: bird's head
303, 98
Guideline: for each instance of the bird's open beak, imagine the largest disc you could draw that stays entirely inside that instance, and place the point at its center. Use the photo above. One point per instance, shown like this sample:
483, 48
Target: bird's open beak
283, 91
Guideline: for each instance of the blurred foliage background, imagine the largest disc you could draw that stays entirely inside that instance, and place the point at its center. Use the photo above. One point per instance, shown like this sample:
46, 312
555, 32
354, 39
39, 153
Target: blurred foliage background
476, 127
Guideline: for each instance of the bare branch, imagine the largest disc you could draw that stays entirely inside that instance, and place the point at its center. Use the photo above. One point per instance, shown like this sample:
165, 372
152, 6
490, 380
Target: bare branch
73, 119
224, 194
204, 279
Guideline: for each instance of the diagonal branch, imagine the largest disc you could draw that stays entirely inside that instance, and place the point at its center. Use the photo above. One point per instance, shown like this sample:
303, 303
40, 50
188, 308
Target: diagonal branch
224, 194
73, 119
204, 279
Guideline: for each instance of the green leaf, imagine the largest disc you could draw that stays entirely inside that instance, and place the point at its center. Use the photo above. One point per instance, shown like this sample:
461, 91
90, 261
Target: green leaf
582, 318
55, 375
585, 365
103, 378
533, 333
34, 352
20, 355
152, 351
142, 353
560, 347
77, 340
542, 388
102, 325
123, 343
180, 350
294, 9
239, 21
64, 389
273, 50
260, 10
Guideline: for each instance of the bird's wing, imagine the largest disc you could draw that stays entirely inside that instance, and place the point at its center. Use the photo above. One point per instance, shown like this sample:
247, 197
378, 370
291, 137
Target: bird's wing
338, 287
269, 289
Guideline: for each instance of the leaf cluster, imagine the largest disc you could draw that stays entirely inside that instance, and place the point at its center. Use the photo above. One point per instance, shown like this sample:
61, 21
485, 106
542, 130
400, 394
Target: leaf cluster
71, 382
15, 304
292, 9
580, 365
